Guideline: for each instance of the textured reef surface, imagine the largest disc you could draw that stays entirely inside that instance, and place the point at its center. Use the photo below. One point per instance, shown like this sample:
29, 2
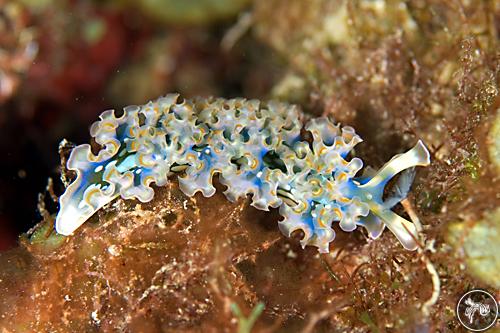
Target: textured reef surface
180, 263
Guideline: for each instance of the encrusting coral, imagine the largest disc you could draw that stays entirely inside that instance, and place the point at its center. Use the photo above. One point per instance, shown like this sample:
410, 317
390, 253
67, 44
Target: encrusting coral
257, 148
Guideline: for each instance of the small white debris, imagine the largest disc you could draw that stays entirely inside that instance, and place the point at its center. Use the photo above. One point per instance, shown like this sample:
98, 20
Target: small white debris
95, 318
98, 168
290, 254
114, 250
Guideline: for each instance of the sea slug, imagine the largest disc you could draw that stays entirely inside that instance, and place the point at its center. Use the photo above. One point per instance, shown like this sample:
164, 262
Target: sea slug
257, 148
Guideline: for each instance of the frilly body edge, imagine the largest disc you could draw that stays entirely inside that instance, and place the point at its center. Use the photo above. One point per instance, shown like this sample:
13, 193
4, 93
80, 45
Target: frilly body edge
255, 148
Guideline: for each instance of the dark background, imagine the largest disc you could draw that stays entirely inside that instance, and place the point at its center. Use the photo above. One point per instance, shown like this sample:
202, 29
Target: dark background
64, 62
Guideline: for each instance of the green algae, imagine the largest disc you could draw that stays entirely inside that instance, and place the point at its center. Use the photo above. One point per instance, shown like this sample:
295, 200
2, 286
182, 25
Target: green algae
366, 318
45, 238
494, 142
94, 30
189, 11
480, 243
245, 324
472, 166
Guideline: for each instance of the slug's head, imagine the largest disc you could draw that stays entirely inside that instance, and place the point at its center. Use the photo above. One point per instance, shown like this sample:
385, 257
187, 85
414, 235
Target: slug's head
96, 176
87, 193
126, 165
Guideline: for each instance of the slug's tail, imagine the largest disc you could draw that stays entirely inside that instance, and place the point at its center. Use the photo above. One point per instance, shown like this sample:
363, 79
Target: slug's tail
372, 193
